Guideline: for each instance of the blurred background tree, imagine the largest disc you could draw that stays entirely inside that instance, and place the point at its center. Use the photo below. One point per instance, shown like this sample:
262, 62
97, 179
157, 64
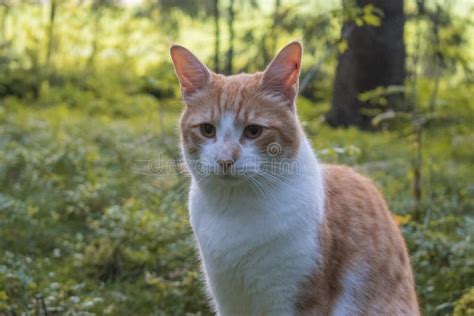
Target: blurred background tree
375, 58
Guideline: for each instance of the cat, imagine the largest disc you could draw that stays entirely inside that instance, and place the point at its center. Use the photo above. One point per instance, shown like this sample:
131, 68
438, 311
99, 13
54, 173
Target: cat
277, 232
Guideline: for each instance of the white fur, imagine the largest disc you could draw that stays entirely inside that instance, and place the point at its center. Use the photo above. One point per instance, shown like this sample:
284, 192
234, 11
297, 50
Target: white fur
256, 250
351, 299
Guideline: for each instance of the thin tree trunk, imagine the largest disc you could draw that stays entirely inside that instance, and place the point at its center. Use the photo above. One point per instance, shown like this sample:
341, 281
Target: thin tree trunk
50, 37
417, 189
274, 37
230, 25
95, 42
217, 36
5, 10
417, 160
269, 39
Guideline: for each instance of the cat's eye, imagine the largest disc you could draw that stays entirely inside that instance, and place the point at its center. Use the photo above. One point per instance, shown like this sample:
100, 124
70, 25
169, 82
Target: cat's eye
207, 130
253, 131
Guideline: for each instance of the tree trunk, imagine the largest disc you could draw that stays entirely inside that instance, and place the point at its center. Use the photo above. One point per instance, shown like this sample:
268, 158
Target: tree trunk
96, 15
376, 57
49, 49
230, 52
217, 36
274, 31
5, 10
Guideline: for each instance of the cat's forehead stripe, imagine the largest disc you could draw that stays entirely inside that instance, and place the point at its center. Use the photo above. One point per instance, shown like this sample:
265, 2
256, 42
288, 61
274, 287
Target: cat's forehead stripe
231, 94
235, 93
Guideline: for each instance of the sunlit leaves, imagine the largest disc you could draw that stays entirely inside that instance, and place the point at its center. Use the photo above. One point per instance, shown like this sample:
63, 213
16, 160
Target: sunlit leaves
372, 16
402, 219
342, 46
368, 15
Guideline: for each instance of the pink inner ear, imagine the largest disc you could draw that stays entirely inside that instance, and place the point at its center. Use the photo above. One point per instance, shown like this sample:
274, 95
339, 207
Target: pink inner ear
192, 74
284, 70
294, 73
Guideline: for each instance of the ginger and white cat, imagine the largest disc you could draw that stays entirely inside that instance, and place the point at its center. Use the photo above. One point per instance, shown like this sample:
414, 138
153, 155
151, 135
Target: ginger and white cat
279, 233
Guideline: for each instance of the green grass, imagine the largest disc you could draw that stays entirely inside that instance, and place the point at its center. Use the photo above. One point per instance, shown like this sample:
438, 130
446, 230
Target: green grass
86, 225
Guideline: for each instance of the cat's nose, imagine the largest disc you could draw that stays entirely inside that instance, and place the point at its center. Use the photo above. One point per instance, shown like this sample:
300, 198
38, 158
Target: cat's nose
225, 164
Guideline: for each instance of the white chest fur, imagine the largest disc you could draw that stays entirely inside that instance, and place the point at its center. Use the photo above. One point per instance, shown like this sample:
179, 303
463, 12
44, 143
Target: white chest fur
256, 251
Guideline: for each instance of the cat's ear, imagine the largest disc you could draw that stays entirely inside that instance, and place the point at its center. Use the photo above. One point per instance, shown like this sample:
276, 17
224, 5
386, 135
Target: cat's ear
192, 74
281, 76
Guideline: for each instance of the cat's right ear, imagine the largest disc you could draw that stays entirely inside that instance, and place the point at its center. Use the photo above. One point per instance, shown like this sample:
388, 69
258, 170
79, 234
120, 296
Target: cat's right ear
192, 74
281, 76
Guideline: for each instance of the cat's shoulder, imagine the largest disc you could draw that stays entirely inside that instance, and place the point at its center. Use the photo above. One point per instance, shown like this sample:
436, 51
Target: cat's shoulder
342, 176
349, 191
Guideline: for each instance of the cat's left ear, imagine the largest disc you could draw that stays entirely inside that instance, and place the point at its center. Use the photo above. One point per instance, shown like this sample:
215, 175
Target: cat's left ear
281, 76
192, 74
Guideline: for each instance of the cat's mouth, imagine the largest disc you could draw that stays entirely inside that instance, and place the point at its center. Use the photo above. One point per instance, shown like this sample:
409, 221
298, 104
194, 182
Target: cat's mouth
232, 175
228, 177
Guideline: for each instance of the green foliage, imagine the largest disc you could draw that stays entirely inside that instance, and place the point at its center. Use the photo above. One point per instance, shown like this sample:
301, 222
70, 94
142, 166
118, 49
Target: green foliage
90, 225
465, 305
77, 213
368, 15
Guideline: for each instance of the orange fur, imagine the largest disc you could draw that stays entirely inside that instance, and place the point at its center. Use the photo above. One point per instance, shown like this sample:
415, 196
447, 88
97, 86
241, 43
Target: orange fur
241, 94
359, 230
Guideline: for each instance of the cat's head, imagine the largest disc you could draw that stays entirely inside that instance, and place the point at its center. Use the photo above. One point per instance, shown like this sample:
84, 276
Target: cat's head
233, 127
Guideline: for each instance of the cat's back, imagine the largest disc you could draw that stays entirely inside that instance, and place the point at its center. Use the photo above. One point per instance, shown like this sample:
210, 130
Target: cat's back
365, 267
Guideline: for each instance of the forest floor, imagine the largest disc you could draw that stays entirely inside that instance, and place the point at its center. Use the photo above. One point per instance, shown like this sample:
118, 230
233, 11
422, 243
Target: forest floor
89, 225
